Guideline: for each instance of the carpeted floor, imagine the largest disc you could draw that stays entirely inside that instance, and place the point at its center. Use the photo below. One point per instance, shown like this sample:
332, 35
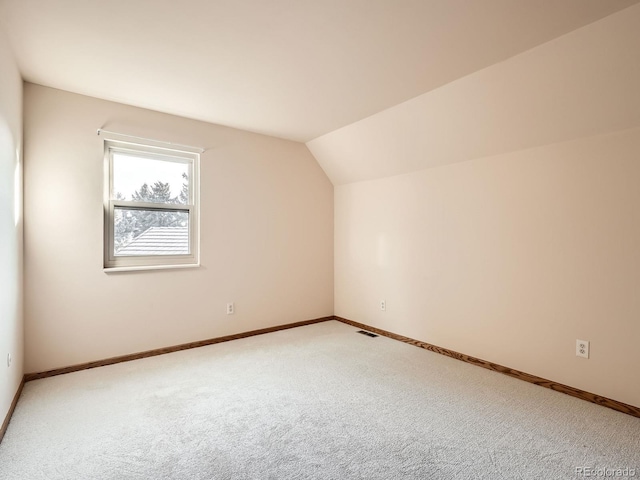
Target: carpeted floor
317, 402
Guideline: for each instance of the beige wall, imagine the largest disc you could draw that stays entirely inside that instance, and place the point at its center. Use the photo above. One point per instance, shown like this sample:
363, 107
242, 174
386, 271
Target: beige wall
498, 215
266, 236
509, 258
11, 323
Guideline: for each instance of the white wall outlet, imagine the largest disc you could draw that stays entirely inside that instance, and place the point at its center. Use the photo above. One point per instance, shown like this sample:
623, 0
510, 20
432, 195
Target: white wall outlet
582, 348
230, 308
383, 305
8, 359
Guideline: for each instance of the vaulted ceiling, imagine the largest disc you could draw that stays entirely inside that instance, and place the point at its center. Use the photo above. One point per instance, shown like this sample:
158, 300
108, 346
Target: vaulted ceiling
582, 84
297, 69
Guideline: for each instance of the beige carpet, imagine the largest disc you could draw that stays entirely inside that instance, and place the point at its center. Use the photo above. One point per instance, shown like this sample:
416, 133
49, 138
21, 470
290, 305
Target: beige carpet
319, 402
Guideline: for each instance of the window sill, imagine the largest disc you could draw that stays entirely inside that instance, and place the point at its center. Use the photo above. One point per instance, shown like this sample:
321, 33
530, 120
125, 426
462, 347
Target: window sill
138, 268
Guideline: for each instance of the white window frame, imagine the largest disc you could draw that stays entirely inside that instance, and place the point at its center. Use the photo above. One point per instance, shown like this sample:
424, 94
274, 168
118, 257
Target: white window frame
144, 262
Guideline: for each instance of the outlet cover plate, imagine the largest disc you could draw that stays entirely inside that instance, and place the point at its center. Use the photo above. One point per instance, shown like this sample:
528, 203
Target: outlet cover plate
582, 348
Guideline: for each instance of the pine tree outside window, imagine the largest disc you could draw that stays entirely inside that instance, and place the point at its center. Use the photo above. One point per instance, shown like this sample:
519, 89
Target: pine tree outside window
151, 206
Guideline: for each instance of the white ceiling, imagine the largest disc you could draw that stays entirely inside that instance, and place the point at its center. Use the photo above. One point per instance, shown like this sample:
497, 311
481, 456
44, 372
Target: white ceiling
295, 69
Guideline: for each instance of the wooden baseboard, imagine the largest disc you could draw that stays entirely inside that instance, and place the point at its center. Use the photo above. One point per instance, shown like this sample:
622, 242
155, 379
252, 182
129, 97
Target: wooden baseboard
161, 351
7, 419
558, 387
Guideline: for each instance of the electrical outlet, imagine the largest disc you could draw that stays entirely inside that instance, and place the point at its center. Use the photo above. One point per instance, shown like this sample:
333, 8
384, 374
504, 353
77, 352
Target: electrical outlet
230, 309
8, 359
582, 348
383, 305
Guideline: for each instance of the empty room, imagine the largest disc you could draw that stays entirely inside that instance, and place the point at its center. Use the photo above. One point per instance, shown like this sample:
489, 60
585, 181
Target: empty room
330, 239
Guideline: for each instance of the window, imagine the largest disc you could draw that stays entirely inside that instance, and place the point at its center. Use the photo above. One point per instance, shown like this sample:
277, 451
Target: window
151, 206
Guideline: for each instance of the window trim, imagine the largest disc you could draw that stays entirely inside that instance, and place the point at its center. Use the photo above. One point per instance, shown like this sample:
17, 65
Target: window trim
113, 263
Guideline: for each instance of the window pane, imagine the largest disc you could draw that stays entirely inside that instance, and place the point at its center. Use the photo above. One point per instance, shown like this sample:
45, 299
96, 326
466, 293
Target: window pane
150, 232
141, 179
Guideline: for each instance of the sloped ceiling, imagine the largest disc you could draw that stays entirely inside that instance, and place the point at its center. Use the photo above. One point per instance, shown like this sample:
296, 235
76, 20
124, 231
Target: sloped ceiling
581, 84
300, 69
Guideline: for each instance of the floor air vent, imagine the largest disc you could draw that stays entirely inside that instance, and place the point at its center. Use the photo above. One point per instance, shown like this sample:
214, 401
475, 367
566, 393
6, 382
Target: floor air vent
368, 334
